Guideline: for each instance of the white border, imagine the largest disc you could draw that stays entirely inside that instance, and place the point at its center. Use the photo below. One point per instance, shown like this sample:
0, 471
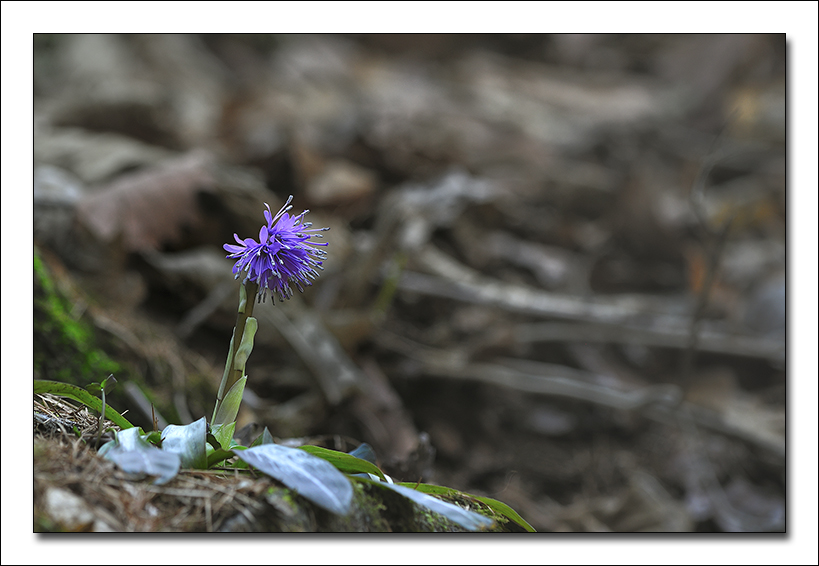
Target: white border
797, 19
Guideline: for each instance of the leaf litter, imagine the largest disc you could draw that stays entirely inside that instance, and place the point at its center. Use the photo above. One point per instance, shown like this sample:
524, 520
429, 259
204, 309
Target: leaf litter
524, 258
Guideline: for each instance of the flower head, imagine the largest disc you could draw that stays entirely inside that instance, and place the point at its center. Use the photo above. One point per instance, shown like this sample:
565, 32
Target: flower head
284, 253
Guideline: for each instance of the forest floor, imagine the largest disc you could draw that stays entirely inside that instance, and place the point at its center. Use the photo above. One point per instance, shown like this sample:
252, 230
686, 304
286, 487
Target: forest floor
556, 264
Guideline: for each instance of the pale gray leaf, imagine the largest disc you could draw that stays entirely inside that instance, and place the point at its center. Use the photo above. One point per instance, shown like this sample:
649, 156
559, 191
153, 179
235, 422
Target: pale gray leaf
188, 442
467, 519
312, 477
135, 455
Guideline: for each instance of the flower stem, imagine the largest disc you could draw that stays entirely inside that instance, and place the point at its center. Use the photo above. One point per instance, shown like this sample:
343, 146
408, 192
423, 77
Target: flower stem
101, 421
247, 299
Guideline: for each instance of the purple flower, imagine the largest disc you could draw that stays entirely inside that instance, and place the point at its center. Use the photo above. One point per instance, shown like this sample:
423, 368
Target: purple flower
284, 253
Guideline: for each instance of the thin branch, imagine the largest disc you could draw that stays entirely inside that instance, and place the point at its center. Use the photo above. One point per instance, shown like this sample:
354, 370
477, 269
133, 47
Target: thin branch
663, 337
659, 402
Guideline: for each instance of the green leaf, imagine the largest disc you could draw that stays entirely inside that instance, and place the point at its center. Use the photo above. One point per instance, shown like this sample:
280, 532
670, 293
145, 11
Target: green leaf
228, 369
218, 452
188, 442
133, 454
264, 438
498, 507
311, 477
467, 519
154, 437
218, 456
242, 299
503, 509
108, 383
230, 405
81, 395
344, 462
246, 346
224, 434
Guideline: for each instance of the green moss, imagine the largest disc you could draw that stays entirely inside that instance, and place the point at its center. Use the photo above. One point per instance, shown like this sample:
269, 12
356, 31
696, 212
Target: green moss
430, 522
366, 515
373, 509
284, 495
368, 511
64, 346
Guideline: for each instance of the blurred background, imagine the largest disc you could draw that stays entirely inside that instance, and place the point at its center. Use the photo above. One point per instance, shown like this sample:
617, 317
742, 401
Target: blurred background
556, 269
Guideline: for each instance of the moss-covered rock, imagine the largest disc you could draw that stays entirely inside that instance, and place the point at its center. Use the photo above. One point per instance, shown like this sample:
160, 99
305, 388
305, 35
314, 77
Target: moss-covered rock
373, 510
236, 502
65, 347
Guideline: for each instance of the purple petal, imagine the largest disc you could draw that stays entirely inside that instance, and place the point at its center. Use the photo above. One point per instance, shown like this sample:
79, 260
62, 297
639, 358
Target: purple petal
267, 215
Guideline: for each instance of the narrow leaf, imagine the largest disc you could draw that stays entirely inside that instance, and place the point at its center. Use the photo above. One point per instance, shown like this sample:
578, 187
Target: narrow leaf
313, 478
230, 405
188, 442
81, 395
503, 509
246, 346
217, 456
498, 507
228, 369
345, 462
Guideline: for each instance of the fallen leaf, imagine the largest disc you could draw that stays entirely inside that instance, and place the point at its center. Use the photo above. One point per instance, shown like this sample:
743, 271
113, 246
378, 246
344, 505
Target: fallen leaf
149, 208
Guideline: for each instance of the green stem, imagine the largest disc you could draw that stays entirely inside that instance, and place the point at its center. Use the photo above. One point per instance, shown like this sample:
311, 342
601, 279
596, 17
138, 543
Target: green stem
245, 311
102, 420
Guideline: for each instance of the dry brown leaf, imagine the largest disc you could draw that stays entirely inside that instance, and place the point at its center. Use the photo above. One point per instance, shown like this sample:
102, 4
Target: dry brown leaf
149, 207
